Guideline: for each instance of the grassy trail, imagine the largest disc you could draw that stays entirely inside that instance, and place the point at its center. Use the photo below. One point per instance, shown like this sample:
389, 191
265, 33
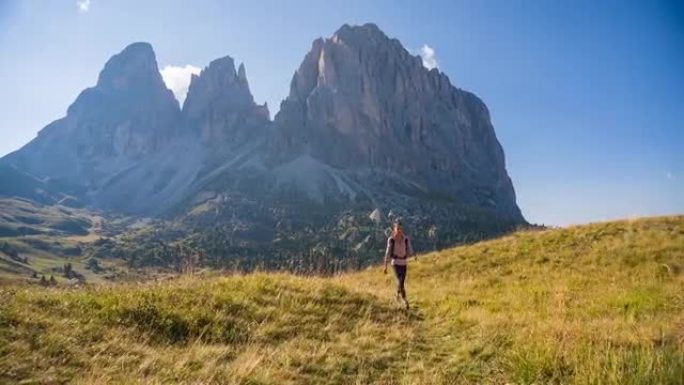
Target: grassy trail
602, 303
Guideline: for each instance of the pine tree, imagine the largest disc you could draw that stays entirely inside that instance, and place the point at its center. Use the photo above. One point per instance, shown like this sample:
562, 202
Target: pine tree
68, 270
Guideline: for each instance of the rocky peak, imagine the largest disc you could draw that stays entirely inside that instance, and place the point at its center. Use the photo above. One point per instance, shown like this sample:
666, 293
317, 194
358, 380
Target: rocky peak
347, 87
330, 59
128, 115
135, 64
130, 81
365, 35
364, 123
221, 107
360, 101
218, 83
242, 75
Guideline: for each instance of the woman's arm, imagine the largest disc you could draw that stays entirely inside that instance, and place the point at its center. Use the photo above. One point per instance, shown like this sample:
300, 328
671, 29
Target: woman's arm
388, 252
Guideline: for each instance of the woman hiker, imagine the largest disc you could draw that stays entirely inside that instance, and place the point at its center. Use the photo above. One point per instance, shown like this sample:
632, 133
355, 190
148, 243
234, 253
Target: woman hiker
399, 250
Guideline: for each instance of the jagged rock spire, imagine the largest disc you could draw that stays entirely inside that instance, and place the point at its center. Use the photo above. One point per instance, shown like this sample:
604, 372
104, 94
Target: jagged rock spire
221, 107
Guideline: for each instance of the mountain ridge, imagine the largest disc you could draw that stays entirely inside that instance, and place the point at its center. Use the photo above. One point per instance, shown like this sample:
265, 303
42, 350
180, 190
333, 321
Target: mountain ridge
361, 101
364, 127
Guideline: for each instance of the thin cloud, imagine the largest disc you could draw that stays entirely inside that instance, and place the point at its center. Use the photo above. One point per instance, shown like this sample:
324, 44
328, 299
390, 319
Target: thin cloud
669, 175
83, 5
177, 79
427, 53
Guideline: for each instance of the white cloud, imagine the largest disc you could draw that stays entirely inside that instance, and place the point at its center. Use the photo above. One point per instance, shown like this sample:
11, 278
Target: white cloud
177, 79
427, 53
83, 5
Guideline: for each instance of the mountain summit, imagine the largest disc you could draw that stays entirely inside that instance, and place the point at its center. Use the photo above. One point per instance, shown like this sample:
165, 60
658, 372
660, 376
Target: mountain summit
103, 151
361, 102
365, 127
221, 108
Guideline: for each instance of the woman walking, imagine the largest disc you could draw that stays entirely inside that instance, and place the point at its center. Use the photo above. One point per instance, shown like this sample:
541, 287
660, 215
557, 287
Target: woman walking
398, 251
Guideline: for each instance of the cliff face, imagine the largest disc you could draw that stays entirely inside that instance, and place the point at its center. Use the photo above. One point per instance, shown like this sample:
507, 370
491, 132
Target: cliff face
365, 126
113, 147
129, 113
360, 102
220, 109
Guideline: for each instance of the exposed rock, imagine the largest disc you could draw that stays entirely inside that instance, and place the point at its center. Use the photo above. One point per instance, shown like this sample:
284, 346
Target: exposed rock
361, 103
102, 150
365, 127
220, 106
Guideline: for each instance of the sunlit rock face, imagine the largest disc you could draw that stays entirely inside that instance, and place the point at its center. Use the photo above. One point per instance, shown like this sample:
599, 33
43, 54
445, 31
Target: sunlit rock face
365, 126
360, 102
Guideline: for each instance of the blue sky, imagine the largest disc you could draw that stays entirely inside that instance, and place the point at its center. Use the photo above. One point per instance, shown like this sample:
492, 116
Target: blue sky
587, 97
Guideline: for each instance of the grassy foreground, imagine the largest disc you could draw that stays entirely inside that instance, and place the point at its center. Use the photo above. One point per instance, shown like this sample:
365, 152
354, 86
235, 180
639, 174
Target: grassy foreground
594, 304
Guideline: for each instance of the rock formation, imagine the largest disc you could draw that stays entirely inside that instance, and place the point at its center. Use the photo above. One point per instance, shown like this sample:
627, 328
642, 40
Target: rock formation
113, 147
361, 103
221, 110
365, 127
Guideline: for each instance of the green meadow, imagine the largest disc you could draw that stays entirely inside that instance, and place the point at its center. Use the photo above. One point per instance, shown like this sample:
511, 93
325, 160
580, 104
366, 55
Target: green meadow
594, 304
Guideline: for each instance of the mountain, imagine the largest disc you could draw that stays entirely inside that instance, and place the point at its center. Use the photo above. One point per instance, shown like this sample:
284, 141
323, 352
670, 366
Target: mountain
117, 146
365, 128
362, 105
220, 109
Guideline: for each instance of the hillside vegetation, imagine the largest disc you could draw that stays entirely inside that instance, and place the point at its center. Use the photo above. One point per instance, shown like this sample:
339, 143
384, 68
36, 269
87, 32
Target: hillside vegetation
38, 240
595, 304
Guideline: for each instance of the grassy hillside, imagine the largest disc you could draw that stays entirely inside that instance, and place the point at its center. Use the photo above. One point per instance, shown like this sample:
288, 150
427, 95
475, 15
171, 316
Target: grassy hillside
595, 304
37, 240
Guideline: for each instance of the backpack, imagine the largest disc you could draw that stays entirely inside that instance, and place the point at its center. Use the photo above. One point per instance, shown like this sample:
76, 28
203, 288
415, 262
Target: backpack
399, 251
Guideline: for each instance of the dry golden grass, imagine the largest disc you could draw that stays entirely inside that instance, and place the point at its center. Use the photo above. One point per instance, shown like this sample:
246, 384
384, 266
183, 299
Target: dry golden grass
595, 304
